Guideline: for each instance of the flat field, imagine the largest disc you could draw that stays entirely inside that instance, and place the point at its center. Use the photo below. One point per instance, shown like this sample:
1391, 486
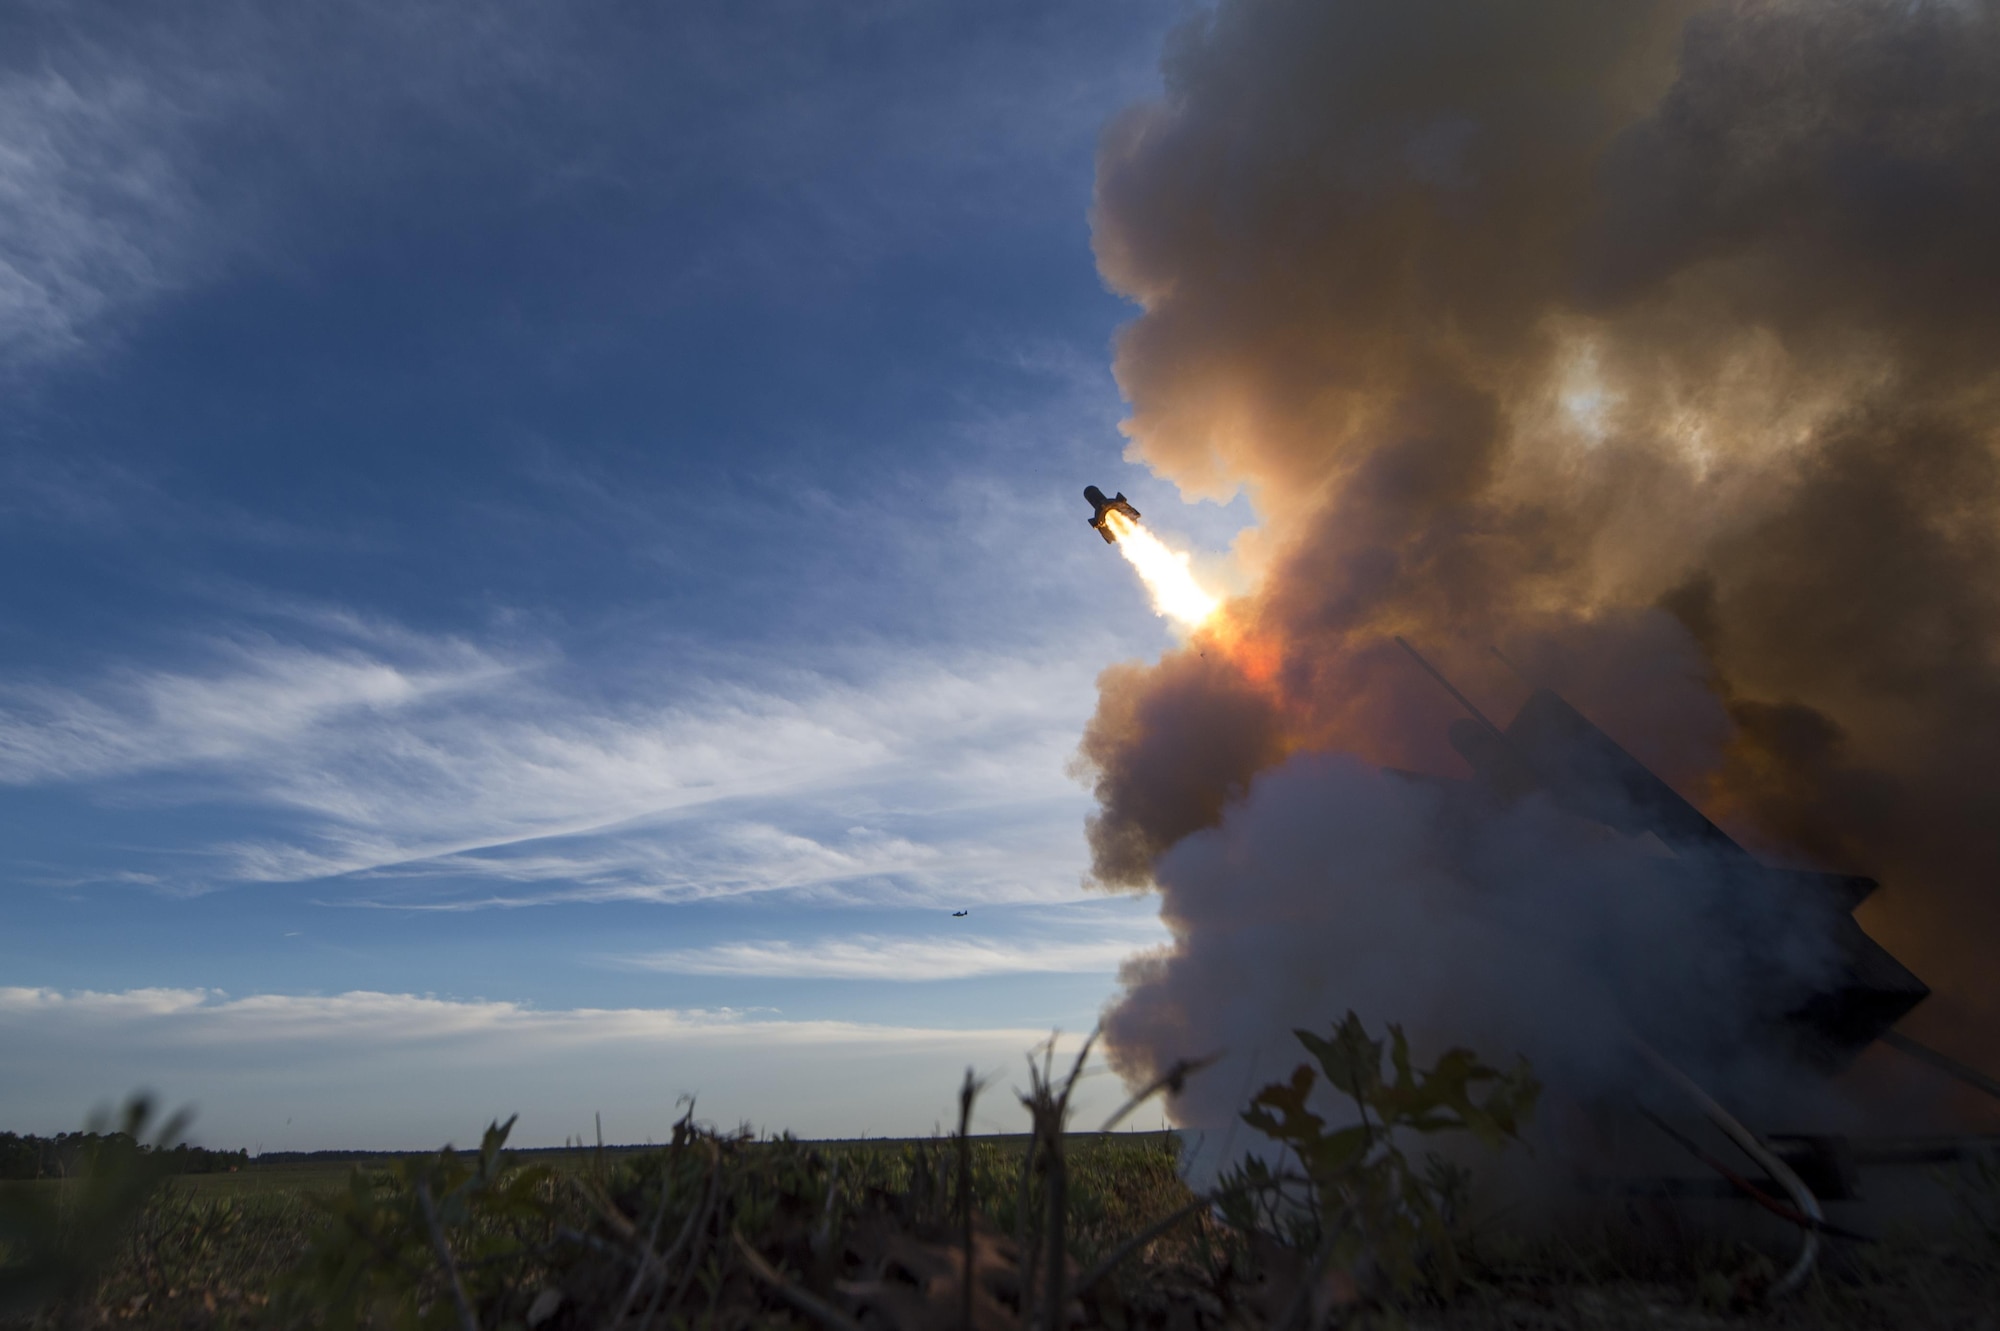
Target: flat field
874, 1227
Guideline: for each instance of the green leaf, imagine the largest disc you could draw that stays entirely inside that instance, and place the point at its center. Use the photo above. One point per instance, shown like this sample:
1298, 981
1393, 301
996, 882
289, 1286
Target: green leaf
1338, 1151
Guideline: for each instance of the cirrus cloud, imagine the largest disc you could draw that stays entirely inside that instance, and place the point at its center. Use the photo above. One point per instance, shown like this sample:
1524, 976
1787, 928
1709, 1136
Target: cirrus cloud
870, 957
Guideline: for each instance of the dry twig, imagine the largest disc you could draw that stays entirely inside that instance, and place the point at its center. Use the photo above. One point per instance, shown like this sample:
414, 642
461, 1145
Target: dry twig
813, 1307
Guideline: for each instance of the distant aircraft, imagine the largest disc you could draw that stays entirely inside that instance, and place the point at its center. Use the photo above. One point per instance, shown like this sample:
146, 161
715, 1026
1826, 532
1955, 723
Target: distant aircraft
959, 914
1099, 505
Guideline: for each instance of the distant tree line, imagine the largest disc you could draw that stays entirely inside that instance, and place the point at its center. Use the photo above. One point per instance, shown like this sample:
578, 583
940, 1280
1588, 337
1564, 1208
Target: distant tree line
25, 1157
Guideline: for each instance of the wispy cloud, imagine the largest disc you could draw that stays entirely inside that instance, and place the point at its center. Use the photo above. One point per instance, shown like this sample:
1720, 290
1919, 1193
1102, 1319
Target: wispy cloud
93, 211
362, 1017
254, 696
866, 957
688, 855
113, 127
367, 1069
421, 763
140, 153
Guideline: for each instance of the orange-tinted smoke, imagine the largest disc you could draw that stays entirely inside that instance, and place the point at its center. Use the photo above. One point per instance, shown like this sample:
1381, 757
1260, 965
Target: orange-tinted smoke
1658, 344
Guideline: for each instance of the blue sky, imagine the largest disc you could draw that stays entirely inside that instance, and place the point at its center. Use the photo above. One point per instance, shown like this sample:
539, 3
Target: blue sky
545, 558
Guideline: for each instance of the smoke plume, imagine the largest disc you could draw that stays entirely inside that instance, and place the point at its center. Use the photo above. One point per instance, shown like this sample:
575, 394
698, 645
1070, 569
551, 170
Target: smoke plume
1657, 344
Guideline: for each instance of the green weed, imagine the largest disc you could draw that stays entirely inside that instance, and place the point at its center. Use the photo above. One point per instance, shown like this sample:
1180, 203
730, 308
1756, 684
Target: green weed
1361, 1224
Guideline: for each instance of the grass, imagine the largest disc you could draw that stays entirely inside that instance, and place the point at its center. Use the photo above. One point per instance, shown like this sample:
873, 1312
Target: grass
1105, 1161
274, 1181
224, 1250
235, 1249
1645, 1266
1062, 1229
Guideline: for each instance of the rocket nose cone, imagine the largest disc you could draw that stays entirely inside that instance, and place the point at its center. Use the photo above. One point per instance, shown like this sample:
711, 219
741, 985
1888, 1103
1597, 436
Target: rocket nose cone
1093, 496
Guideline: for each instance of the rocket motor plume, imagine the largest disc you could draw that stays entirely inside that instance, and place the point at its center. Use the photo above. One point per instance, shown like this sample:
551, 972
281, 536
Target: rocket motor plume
1171, 583
1652, 342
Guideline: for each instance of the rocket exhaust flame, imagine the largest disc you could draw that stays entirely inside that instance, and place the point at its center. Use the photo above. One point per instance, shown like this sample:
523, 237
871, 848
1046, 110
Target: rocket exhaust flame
1176, 594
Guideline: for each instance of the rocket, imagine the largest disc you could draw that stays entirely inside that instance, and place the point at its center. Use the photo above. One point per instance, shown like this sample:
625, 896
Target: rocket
1100, 506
